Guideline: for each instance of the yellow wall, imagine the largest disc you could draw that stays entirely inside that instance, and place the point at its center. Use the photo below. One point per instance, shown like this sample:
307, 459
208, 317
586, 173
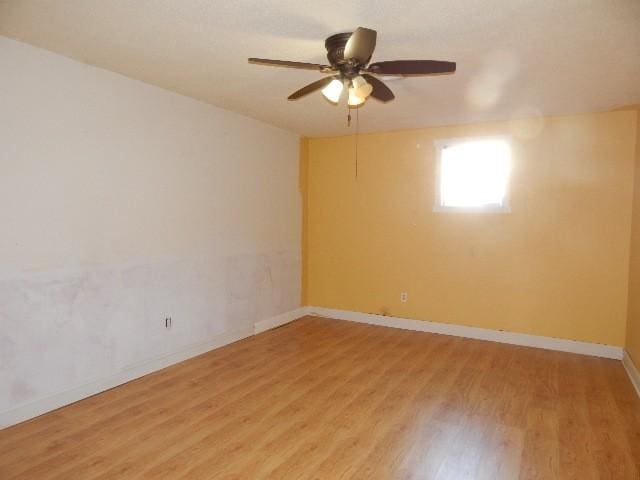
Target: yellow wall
303, 183
556, 266
633, 321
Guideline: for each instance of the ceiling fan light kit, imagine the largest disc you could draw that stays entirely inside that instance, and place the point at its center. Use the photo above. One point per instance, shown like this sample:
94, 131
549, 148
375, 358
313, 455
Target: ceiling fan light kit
354, 100
333, 91
349, 55
361, 87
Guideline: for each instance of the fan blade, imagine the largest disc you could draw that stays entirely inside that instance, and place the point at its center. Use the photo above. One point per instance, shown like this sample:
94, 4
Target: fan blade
412, 67
380, 90
360, 45
286, 63
312, 87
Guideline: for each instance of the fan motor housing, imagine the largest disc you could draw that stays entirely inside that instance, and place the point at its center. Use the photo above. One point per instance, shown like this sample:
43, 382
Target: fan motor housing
335, 47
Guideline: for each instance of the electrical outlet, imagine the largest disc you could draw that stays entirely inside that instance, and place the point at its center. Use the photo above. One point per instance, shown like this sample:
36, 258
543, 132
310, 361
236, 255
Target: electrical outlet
404, 296
167, 323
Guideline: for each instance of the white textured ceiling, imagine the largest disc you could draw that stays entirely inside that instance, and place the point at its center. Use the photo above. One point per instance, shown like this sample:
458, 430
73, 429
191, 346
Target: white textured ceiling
515, 57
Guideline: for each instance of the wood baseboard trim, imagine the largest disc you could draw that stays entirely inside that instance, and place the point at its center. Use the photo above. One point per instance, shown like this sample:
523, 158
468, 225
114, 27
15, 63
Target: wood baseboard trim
58, 400
632, 371
522, 339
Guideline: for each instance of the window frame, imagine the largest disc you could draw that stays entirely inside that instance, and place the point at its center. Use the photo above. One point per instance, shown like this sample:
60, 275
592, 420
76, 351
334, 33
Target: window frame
441, 144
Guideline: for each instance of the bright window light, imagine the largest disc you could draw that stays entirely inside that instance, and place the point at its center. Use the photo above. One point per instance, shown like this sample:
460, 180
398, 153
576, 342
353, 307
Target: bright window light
474, 174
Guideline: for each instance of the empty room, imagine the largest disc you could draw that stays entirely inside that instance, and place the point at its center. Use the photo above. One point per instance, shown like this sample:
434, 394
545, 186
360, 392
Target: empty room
287, 239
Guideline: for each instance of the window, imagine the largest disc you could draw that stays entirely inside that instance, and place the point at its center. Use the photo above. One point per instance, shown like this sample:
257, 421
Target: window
473, 174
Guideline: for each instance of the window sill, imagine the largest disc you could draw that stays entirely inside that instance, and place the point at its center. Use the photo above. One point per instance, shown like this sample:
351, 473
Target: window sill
486, 209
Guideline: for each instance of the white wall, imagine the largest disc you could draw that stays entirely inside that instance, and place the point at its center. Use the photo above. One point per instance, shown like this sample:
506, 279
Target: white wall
120, 204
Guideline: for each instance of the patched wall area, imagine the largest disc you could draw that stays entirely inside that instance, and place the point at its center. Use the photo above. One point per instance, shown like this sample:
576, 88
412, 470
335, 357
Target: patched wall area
66, 328
122, 204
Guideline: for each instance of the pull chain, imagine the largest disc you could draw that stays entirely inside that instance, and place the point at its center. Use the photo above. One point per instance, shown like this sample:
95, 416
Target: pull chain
357, 130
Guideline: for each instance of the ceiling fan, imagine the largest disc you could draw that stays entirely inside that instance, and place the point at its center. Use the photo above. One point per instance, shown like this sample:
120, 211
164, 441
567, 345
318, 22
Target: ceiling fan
349, 55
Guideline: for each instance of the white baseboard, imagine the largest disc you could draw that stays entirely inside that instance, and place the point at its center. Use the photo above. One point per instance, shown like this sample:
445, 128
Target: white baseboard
25, 412
31, 410
523, 339
279, 320
632, 371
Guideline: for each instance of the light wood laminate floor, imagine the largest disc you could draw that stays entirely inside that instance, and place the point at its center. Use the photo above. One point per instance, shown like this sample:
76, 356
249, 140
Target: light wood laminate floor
326, 399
